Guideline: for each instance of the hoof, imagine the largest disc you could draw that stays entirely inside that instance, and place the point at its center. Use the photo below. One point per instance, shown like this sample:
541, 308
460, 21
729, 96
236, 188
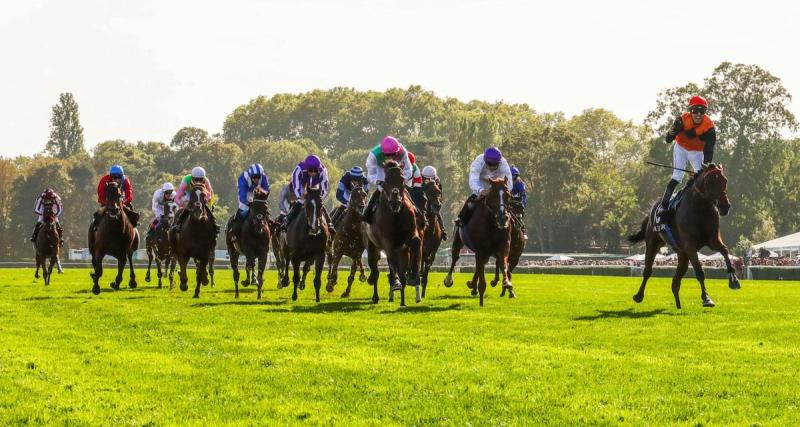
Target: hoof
346, 295
448, 281
708, 303
184, 287
236, 295
294, 297
196, 296
734, 284
302, 286
132, 284
494, 282
474, 291
470, 285
329, 288
115, 286
147, 279
638, 298
511, 293
375, 299
362, 278
96, 290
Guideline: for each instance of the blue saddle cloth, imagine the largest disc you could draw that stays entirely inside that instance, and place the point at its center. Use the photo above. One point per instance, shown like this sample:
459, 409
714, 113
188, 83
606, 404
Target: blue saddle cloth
663, 228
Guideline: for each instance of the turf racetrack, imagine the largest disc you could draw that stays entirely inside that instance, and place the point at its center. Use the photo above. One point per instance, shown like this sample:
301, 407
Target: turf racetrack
569, 350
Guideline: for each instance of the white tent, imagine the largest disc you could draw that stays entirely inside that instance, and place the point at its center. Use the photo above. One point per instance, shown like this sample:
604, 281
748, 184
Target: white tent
559, 258
718, 256
640, 257
786, 245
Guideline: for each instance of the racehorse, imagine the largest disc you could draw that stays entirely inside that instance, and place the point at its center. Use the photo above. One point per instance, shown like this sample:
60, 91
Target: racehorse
196, 239
488, 233
517, 244
278, 241
394, 231
307, 240
115, 236
349, 240
158, 247
253, 243
432, 237
47, 244
695, 224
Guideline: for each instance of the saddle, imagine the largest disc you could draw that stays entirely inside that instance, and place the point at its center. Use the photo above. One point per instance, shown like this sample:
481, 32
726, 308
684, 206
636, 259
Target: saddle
662, 220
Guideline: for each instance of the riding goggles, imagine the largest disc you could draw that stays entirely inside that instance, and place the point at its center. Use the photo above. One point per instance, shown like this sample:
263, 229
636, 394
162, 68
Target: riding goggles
697, 110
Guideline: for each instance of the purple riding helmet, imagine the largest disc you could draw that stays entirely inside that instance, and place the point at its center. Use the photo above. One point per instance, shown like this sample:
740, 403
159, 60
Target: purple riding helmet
492, 156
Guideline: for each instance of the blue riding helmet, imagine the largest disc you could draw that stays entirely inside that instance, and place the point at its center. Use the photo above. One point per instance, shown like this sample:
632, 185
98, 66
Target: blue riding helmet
514, 171
356, 171
255, 170
116, 170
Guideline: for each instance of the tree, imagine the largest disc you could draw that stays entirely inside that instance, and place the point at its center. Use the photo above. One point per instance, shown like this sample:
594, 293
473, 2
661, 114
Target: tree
66, 132
189, 137
8, 174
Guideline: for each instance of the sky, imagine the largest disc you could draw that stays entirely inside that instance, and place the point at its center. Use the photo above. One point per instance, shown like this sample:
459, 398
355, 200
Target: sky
142, 70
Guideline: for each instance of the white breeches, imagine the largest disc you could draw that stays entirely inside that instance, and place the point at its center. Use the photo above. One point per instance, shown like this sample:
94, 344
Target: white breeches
681, 156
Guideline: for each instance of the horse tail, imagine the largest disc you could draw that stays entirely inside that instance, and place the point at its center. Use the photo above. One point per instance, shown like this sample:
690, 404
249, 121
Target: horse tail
638, 237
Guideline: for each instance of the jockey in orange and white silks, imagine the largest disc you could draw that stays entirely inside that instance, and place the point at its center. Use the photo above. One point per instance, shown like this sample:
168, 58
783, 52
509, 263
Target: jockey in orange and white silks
47, 197
488, 166
695, 137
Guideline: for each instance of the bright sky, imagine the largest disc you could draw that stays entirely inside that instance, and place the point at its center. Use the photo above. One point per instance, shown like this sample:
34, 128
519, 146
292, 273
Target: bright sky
142, 70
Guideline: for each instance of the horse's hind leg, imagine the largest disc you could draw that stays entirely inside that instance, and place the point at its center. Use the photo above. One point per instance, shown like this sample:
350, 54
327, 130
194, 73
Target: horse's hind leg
295, 277
306, 268
333, 270
262, 262
97, 264
202, 275
680, 270
149, 264
650, 256
479, 277
235, 270
350, 278
319, 262
210, 277
454, 254
361, 276
496, 279
701, 277
373, 254
120, 268
158, 270
132, 281
38, 263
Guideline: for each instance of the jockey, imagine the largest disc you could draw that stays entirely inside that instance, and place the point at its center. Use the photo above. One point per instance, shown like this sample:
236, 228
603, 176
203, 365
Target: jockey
163, 197
47, 197
286, 199
518, 189
197, 177
254, 177
487, 166
388, 149
429, 174
115, 174
309, 172
352, 178
415, 189
696, 136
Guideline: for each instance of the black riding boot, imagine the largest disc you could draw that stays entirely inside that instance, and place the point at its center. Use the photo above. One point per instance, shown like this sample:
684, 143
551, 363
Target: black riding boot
179, 221
327, 217
60, 232
466, 211
441, 224
36, 229
235, 225
662, 211
369, 212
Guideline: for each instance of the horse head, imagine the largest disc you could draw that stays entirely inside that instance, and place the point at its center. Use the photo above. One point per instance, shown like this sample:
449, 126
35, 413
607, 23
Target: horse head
394, 185
48, 212
712, 184
198, 199
259, 211
434, 195
113, 199
313, 208
497, 200
358, 198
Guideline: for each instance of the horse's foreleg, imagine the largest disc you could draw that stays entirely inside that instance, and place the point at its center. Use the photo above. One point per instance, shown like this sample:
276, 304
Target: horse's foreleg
649, 258
38, 263
50, 270
171, 260
733, 281
496, 279
350, 278
202, 275
234, 270
415, 259
333, 270
150, 257
210, 277
701, 277
479, 277
132, 280
361, 276
373, 254
58, 265
455, 252
120, 268
262, 263
319, 263
182, 261
680, 270
295, 277
97, 264
306, 268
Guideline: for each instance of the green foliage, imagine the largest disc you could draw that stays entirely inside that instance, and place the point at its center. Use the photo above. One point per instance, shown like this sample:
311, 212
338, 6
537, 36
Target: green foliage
189, 137
568, 351
66, 132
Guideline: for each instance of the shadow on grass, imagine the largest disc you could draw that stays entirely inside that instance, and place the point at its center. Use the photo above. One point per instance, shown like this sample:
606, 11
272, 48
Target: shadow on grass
626, 314
414, 309
240, 302
333, 306
44, 298
466, 296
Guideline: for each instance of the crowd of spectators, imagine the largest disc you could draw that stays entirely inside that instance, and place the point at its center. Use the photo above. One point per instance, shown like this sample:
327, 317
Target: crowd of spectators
664, 261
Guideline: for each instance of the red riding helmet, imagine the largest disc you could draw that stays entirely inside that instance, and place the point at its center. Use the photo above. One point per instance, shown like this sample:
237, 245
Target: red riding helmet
411, 157
698, 101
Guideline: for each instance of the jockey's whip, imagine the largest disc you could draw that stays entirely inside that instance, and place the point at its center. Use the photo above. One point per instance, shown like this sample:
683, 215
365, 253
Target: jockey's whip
669, 167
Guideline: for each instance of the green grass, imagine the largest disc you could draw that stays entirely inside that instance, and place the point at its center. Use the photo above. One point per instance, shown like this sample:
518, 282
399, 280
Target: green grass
569, 350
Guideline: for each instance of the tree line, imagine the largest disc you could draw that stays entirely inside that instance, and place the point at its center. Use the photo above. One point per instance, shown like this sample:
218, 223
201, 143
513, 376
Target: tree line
588, 184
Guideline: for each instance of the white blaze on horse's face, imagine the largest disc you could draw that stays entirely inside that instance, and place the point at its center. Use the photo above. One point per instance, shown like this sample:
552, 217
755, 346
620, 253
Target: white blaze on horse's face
313, 215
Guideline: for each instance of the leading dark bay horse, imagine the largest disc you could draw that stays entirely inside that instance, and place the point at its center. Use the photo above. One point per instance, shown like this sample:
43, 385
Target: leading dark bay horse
158, 248
47, 244
394, 231
695, 224
115, 235
349, 240
432, 236
196, 239
253, 243
488, 233
307, 240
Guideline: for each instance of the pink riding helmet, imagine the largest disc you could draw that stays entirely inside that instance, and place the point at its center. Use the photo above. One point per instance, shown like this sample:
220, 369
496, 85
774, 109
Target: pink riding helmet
390, 145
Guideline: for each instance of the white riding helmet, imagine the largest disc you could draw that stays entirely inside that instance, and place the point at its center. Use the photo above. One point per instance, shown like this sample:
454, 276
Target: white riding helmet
198, 172
429, 172
167, 187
